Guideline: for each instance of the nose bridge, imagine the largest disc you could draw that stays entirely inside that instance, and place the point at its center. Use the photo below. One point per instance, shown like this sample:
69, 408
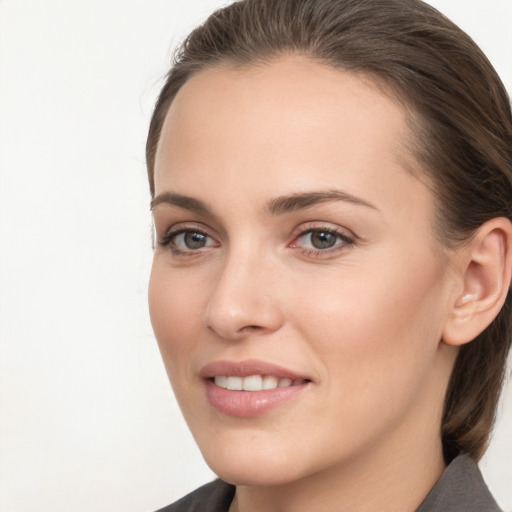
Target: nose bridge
242, 301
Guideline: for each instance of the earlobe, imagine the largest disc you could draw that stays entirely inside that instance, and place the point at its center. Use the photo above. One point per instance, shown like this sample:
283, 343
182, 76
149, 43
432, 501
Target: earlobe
485, 273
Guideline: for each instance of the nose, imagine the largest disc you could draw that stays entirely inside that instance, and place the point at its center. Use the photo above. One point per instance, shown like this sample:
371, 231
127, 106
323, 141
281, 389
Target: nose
243, 303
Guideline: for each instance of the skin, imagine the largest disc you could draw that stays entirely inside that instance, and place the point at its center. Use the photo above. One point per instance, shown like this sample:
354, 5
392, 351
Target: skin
363, 320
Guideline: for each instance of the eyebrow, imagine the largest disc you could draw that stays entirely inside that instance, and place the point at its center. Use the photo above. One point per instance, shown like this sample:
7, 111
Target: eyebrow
278, 206
303, 200
185, 202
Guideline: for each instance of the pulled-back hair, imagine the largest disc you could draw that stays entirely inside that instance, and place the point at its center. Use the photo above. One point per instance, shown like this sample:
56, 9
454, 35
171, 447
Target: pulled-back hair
461, 121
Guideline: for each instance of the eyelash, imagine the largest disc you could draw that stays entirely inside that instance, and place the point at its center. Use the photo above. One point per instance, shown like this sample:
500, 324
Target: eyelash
170, 236
343, 241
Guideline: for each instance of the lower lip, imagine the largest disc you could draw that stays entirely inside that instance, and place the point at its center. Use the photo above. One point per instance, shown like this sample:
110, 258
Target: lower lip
247, 404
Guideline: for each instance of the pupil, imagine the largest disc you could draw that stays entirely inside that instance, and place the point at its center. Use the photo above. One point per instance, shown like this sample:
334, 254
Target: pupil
195, 240
322, 240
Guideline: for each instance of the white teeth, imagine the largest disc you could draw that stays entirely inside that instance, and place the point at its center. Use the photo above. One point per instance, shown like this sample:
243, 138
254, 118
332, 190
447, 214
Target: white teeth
221, 381
254, 382
269, 382
234, 383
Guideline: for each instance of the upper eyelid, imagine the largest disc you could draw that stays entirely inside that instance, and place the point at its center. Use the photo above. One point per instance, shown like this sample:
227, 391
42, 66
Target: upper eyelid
346, 236
343, 237
174, 230
329, 229
166, 224
306, 227
180, 227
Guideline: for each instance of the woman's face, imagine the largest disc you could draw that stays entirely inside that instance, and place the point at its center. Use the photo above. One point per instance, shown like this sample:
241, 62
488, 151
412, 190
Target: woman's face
295, 250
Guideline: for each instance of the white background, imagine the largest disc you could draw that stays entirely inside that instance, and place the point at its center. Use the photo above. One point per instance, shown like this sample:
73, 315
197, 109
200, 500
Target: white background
87, 420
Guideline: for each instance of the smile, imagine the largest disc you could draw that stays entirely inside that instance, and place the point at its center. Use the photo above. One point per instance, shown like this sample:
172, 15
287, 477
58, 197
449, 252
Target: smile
251, 388
255, 382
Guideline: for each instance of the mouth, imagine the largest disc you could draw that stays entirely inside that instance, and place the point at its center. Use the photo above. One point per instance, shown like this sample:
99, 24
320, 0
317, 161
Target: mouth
250, 388
255, 382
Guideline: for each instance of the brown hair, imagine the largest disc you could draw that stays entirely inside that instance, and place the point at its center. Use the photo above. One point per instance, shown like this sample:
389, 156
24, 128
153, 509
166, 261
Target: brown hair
461, 120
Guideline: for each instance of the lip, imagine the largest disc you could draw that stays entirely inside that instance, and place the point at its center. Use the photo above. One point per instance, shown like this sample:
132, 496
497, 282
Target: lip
246, 368
247, 404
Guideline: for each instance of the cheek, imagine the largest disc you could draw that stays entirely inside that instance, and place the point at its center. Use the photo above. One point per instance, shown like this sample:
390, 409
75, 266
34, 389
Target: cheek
173, 302
379, 329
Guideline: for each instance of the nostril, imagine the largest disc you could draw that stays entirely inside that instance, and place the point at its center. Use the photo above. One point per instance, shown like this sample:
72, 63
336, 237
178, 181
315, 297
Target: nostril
250, 328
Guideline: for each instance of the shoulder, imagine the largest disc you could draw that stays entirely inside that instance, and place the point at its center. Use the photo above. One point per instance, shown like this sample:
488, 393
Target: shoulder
461, 488
213, 497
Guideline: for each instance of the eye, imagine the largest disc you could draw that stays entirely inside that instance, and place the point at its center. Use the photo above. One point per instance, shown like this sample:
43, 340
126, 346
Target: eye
321, 240
187, 241
191, 240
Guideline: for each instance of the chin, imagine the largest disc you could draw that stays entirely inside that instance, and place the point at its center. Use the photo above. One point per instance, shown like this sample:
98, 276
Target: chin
243, 459
250, 459
254, 473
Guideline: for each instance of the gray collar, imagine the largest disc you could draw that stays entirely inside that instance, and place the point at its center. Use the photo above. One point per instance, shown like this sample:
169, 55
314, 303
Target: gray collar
461, 488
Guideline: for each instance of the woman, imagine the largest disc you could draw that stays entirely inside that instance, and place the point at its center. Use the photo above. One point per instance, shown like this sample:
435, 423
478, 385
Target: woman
332, 196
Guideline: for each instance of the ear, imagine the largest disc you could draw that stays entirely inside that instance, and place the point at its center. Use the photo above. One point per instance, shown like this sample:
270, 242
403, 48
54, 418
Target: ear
485, 269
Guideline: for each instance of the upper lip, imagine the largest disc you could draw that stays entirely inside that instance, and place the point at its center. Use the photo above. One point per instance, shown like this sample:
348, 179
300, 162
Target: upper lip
246, 368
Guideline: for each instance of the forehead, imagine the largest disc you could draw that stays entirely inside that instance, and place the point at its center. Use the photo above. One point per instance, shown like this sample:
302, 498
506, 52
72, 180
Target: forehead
291, 120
